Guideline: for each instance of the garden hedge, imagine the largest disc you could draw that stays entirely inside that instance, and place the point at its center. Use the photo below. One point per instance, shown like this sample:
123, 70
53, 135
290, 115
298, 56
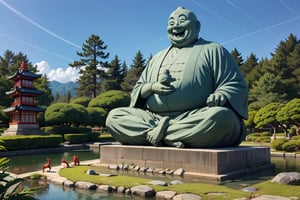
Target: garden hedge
76, 138
22, 142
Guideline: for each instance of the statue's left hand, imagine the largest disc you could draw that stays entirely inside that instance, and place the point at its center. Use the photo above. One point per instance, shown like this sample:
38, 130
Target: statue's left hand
216, 99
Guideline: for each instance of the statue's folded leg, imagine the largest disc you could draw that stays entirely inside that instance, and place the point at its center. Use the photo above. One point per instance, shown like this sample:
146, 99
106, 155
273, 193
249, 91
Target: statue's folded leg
130, 125
208, 127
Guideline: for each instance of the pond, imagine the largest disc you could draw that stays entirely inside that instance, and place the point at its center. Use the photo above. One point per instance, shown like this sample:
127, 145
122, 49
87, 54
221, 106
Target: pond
34, 162
55, 192
23, 164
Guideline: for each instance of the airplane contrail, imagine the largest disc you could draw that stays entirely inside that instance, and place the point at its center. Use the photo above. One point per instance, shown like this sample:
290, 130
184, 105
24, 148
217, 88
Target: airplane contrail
249, 17
262, 30
288, 7
38, 25
217, 15
36, 47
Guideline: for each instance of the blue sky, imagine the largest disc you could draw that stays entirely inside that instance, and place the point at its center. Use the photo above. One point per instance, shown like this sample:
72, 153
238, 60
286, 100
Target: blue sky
50, 32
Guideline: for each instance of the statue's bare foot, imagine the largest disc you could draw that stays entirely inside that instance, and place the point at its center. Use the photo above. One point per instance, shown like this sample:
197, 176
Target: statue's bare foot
155, 136
179, 144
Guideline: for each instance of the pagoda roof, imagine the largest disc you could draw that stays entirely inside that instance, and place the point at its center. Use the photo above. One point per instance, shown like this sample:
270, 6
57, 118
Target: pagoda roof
25, 91
24, 73
25, 108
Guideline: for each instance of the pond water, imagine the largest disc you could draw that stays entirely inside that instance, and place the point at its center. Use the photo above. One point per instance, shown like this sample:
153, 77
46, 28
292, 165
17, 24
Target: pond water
23, 164
55, 192
34, 162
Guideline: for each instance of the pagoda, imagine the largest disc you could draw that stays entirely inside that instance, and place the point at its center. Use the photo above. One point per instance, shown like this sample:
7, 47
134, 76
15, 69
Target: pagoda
24, 109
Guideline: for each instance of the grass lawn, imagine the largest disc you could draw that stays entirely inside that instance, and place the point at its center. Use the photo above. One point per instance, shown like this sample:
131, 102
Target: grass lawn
78, 174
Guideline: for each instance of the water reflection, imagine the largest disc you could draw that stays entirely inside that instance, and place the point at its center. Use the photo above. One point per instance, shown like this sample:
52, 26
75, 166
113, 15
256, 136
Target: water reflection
50, 191
34, 162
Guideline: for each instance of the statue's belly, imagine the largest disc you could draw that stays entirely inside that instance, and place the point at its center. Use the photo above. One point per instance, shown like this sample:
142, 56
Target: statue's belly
181, 99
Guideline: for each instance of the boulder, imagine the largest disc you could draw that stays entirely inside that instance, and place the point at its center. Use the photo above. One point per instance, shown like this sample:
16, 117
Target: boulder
142, 190
186, 197
85, 185
287, 178
166, 195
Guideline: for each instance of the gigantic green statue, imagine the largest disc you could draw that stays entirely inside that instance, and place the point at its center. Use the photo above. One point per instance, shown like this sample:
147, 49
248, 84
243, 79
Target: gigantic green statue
191, 94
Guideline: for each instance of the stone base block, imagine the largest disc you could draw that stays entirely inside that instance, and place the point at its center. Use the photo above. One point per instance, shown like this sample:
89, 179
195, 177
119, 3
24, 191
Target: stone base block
23, 129
216, 164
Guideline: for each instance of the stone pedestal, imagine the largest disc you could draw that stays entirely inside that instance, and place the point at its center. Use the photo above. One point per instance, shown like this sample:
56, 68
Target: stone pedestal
23, 129
216, 164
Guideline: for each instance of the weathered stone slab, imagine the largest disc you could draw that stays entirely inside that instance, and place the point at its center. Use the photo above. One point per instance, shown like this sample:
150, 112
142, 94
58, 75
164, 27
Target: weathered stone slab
165, 195
142, 190
186, 197
215, 163
85, 185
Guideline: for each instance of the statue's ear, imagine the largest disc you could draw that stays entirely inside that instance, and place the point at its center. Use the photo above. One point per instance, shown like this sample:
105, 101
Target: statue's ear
198, 25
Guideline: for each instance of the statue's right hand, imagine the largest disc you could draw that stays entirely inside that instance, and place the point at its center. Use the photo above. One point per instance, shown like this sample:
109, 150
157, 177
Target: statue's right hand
159, 88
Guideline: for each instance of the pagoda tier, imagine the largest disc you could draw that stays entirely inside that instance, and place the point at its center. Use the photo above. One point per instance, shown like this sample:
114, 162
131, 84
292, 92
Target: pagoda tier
24, 110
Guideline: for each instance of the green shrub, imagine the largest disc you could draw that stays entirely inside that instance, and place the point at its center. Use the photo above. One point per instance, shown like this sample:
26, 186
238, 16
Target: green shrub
22, 142
264, 139
259, 137
298, 143
65, 130
289, 146
93, 136
267, 133
277, 144
296, 137
76, 138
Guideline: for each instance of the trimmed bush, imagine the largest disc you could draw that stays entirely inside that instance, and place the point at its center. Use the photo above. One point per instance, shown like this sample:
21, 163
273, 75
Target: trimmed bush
277, 144
92, 136
76, 138
19, 142
267, 133
259, 137
65, 130
296, 137
290, 146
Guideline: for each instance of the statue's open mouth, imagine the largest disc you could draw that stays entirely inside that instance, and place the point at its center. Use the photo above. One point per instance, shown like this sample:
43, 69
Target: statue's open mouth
179, 34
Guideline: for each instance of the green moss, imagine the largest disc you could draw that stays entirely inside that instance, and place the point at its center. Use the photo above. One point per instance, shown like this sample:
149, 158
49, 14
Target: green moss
267, 187
78, 174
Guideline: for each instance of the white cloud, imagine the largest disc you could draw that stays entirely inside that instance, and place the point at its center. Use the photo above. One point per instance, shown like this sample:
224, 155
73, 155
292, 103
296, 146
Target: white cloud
58, 74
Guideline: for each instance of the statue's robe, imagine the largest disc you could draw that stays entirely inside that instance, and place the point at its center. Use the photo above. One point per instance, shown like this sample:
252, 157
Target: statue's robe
199, 70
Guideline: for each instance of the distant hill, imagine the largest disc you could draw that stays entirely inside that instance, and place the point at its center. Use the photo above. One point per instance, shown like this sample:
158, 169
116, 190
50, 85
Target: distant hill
63, 88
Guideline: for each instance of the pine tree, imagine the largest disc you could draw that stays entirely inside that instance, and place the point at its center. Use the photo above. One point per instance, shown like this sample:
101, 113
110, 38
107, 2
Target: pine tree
265, 91
283, 64
248, 67
91, 69
237, 56
43, 84
134, 73
115, 76
293, 61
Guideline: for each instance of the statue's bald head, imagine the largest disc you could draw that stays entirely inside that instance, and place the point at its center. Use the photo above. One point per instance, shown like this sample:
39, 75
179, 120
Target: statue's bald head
183, 27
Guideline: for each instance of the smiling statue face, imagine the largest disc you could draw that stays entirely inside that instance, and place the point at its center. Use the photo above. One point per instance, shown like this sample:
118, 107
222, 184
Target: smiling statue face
183, 27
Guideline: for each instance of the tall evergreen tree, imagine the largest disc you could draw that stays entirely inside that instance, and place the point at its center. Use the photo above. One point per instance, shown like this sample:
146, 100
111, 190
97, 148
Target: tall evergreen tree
265, 91
91, 68
115, 76
43, 84
134, 73
293, 61
248, 67
237, 56
283, 66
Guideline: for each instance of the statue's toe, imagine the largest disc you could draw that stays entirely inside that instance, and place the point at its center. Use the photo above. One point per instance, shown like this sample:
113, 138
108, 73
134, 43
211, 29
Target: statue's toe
179, 144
